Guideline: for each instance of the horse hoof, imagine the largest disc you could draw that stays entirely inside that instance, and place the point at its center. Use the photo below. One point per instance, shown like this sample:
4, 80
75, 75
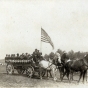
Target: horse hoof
41, 78
55, 79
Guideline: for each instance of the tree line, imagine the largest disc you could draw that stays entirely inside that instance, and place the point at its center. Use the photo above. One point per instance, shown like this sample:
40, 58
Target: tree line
72, 55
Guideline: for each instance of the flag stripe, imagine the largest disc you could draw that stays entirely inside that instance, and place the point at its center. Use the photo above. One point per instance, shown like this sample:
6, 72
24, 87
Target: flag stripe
43, 37
44, 41
46, 37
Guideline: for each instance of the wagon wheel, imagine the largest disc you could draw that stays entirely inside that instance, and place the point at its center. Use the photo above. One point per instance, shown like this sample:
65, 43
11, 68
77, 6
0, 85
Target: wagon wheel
9, 69
29, 71
20, 71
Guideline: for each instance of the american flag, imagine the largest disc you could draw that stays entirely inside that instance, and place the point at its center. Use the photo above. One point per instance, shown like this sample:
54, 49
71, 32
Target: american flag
45, 37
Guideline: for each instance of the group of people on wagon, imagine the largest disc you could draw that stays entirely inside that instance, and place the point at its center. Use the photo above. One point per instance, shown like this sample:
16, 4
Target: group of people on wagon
21, 56
37, 56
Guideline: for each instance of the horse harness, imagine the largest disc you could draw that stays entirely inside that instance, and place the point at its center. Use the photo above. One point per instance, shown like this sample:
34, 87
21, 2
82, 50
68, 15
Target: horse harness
85, 62
51, 65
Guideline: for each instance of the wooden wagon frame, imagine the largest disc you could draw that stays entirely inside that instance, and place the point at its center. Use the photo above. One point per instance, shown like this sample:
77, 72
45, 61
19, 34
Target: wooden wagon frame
21, 65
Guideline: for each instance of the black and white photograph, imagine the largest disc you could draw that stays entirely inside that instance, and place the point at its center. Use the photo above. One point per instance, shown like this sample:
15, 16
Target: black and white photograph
43, 43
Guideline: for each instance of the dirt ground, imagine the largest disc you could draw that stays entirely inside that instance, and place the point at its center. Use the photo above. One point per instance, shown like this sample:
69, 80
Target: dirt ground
21, 81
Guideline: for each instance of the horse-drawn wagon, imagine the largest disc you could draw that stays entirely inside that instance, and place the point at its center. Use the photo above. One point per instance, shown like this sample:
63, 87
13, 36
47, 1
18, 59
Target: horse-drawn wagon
30, 64
22, 65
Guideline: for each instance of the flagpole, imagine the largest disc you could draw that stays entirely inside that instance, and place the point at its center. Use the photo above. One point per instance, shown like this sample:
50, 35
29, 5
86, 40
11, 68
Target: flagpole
40, 43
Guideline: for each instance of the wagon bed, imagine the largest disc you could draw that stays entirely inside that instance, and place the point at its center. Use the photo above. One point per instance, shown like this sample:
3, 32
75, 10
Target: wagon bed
20, 64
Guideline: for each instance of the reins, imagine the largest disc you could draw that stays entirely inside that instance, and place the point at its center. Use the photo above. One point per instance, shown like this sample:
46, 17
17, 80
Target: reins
49, 65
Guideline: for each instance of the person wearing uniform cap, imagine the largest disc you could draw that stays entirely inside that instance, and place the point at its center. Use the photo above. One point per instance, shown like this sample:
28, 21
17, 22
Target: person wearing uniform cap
34, 55
26, 54
57, 58
17, 54
64, 57
40, 56
35, 52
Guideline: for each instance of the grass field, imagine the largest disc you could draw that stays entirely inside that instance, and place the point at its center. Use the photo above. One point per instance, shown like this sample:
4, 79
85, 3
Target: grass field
17, 80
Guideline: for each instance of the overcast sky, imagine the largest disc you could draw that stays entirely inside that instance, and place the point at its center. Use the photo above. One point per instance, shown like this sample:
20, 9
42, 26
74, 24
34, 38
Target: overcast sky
66, 22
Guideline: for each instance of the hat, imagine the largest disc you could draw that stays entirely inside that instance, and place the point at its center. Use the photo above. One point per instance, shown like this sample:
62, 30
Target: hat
17, 53
64, 51
35, 49
26, 53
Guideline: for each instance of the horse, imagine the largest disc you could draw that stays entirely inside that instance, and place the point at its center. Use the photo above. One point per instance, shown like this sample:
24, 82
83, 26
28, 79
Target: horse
57, 62
66, 71
48, 71
46, 65
64, 59
80, 65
